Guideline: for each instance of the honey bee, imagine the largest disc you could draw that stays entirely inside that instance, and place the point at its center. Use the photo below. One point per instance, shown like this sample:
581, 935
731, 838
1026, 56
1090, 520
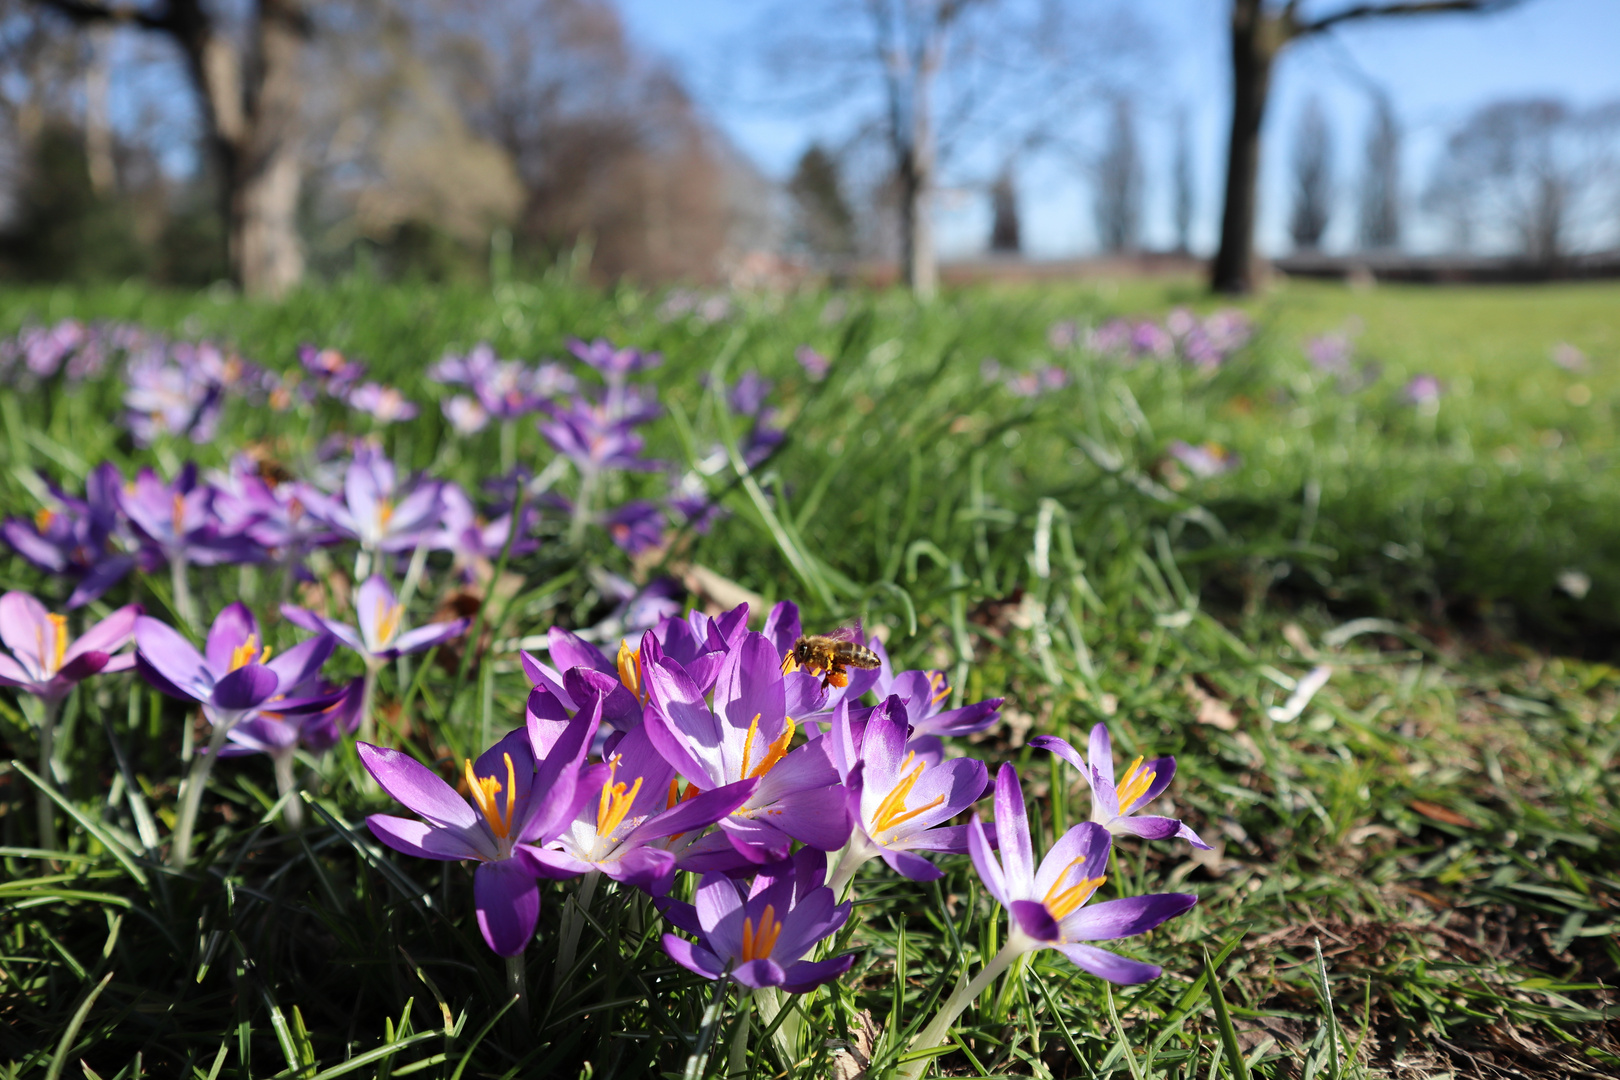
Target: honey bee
830, 655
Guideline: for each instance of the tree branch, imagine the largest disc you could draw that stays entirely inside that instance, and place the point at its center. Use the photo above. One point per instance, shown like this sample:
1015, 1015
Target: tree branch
1406, 7
85, 12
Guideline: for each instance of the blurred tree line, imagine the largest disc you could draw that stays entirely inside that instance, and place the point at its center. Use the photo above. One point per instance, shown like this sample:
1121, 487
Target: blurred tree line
250, 141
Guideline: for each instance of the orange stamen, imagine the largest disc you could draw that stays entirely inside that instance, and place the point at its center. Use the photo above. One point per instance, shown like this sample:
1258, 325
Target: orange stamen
248, 653
484, 790
1061, 902
789, 664
757, 945
615, 802
629, 663
1134, 784
385, 514
937, 683
388, 618
892, 810
177, 514
43, 518
775, 752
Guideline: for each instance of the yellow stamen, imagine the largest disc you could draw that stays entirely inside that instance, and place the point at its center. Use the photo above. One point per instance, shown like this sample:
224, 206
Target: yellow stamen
248, 653
789, 664
484, 789
1061, 902
59, 628
630, 671
385, 513
892, 810
937, 683
177, 513
1134, 784
615, 801
757, 945
387, 620
775, 752
43, 518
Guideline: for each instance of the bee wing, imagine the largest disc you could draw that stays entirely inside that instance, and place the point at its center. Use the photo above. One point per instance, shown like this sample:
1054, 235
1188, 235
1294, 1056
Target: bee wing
848, 632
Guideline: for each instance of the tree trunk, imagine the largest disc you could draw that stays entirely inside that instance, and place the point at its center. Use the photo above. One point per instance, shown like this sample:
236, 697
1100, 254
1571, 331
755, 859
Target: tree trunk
1255, 41
916, 229
266, 256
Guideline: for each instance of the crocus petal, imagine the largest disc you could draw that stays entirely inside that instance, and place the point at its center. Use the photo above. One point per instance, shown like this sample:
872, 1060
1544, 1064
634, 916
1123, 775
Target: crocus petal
1062, 749
102, 576
984, 862
1012, 829
694, 813
23, 620
108, 635
782, 627
82, 666
1125, 917
299, 664
173, 657
417, 786
1164, 771
245, 688
14, 674
372, 603
1101, 754
759, 842
759, 973
425, 637
719, 913
507, 900
1146, 826
681, 725
1111, 966
419, 838
694, 958
569, 650
1034, 919
1186, 833
232, 627
1078, 854
806, 975
912, 866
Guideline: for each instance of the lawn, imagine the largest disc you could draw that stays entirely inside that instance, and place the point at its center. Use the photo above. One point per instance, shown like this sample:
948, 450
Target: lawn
1411, 873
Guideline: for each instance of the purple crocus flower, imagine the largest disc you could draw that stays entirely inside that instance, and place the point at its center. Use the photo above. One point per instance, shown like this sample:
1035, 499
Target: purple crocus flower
1423, 391
636, 527
466, 534
899, 803
757, 939
1330, 353
466, 415
1113, 804
640, 819
235, 673
593, 439
384, 403
747, 734
381, 635
273, 515
174, 391
176, 523
1046, 904
377, 510
517, 800
1207, 460
269, 731
75, 537
45, 661
613, 363
815, 364
332, 372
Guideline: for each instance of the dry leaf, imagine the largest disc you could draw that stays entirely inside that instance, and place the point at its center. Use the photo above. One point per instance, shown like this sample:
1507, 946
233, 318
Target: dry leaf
1211, 709
1443, 814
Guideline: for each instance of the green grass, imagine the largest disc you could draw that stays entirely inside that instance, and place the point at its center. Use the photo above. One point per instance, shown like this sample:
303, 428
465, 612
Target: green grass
1440, 822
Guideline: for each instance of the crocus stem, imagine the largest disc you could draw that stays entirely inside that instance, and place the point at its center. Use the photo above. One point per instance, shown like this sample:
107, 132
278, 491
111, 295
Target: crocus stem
368, 695
517, 985
191, 797
940, 1027
582, 507
855, 855
44, 710
413, 573
362, 564
768, 1003
573, 924
292, 811
180, 583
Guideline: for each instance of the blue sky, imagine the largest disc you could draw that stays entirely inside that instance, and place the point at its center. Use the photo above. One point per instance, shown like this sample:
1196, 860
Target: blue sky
1436, 70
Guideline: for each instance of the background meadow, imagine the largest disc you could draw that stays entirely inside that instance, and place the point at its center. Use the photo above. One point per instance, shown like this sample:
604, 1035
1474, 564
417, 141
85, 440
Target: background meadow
1412, 872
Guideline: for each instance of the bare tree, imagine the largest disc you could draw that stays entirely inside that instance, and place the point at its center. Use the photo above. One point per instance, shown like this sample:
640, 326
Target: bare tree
824, 222
251, 104
1313, 178
1117, 205
1006, 232
1535, 169
940, 81
1182, 184
1380, 202
1260, 31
